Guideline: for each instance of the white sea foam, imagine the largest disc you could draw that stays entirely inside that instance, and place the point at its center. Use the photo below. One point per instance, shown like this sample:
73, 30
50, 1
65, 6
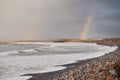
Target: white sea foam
28, 50
5, 53
17, 78
18, 65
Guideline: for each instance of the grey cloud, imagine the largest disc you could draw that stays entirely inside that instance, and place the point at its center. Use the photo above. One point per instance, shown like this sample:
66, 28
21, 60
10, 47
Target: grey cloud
53, 19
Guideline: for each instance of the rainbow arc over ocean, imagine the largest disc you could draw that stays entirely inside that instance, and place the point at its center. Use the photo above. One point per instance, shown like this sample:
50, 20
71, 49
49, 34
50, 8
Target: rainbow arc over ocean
36, 19
86, 25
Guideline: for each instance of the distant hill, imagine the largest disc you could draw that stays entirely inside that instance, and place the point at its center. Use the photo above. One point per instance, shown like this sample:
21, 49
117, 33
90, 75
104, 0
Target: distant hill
67, 40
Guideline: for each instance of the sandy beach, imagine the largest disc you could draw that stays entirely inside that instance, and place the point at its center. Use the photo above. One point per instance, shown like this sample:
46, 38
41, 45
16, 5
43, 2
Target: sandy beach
100, 68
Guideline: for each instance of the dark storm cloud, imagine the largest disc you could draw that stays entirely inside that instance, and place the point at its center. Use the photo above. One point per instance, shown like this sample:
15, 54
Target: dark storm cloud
55, 19
106, 17
112, 9
106, 21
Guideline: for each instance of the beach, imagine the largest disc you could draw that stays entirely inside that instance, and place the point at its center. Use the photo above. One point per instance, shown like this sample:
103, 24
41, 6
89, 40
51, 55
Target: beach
99, 68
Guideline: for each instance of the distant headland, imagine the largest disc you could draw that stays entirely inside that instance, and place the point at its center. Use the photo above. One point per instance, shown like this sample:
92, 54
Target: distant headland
67, 40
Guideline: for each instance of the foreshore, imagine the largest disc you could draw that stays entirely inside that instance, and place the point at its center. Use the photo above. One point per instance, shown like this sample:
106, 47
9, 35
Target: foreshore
100, 68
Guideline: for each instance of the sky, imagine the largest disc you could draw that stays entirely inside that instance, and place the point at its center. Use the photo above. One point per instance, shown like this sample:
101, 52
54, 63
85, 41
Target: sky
58, 19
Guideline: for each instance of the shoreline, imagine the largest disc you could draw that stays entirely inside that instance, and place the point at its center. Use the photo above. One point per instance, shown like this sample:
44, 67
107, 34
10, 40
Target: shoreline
80, 69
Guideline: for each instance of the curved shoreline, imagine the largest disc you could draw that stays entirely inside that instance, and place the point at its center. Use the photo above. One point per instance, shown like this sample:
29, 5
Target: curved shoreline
76, 70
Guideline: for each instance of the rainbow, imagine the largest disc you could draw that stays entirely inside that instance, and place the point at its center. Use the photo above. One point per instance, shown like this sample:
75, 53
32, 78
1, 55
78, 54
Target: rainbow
36, 20
86, 26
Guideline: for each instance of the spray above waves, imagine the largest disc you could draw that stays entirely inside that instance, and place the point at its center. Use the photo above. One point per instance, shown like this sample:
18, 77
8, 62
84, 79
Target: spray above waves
53, 48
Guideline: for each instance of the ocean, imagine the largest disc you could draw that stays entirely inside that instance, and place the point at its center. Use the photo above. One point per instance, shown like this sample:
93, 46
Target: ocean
20, 58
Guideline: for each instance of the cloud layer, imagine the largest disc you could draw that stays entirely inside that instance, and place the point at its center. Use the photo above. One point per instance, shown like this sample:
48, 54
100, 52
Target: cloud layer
56, 19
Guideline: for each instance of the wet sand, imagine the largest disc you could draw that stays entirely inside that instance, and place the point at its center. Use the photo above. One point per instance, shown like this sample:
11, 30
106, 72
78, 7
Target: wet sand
91, 69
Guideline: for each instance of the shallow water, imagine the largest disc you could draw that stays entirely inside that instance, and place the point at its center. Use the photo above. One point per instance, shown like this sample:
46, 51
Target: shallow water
23, 58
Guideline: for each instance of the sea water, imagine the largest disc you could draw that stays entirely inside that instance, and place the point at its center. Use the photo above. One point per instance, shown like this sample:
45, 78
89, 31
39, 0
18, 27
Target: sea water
39, 57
